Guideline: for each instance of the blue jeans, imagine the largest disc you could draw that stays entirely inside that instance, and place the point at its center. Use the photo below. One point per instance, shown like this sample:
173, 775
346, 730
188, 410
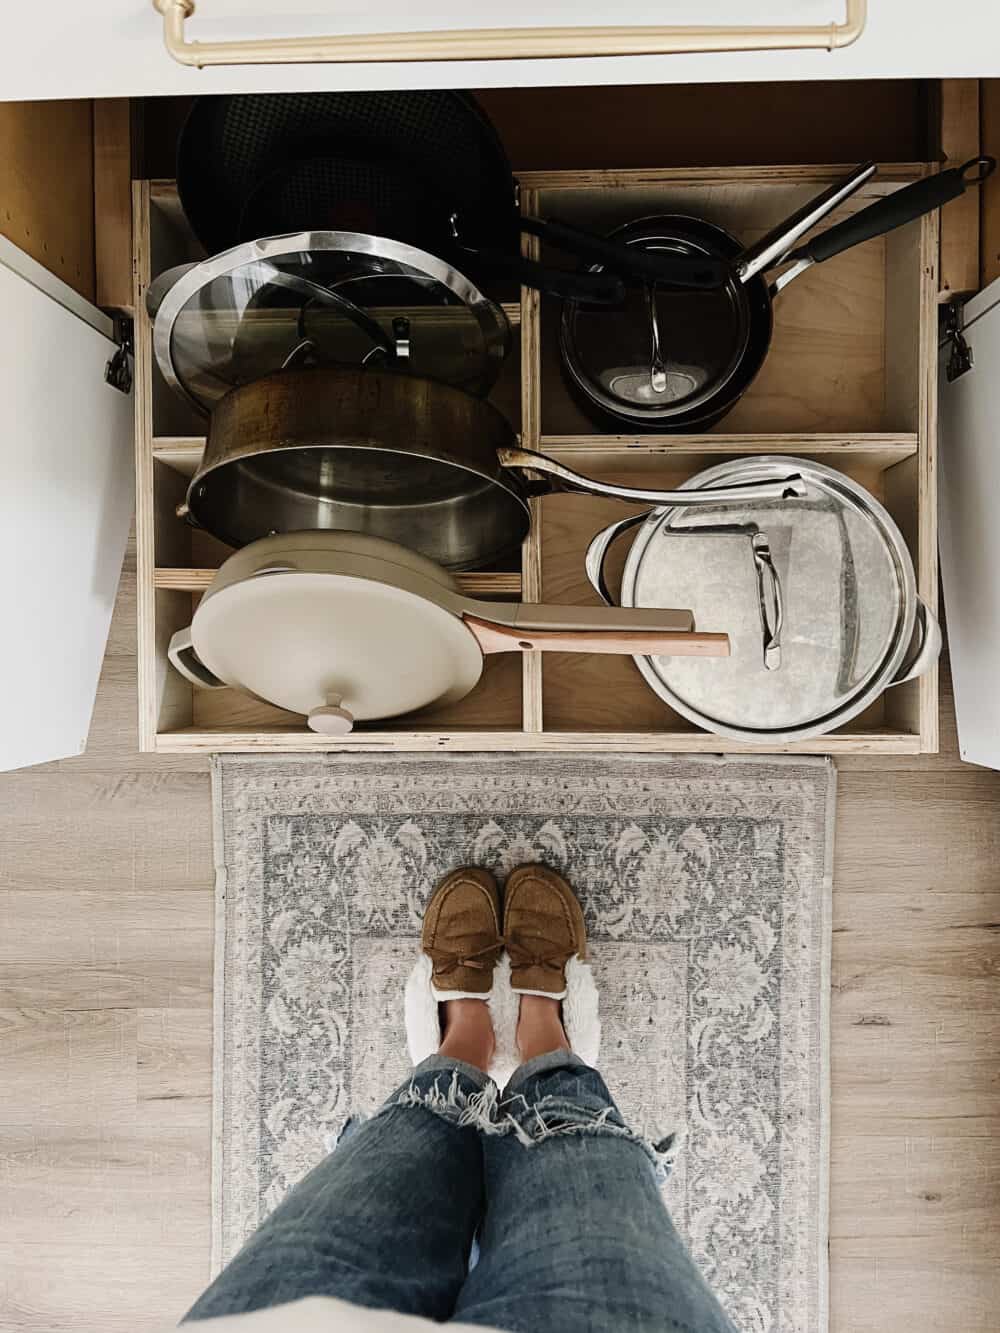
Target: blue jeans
563, 1200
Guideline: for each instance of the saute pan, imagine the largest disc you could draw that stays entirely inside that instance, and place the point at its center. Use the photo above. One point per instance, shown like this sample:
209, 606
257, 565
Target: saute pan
408, 459
679, 361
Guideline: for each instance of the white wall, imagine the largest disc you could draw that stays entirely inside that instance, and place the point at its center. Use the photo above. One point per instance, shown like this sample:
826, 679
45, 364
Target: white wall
105, 48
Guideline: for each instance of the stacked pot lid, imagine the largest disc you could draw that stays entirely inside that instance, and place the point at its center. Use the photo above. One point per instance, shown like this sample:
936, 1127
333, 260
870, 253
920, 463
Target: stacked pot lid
322, 299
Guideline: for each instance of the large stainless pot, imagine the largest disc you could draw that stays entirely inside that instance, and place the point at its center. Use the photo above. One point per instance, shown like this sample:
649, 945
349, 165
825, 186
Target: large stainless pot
818, 596
399, 457
343, 627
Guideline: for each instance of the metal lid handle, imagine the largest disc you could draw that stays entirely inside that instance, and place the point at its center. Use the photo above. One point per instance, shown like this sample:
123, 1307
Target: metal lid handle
772, 612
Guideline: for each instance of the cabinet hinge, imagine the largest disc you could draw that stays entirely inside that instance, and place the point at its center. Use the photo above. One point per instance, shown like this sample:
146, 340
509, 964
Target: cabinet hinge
960, 358
118, 371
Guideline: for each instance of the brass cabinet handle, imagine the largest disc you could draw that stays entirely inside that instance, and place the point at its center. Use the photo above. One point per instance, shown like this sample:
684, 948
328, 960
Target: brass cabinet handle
504, 43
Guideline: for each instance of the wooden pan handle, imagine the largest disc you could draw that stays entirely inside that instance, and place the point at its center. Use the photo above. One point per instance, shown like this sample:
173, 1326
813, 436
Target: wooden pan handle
494, 638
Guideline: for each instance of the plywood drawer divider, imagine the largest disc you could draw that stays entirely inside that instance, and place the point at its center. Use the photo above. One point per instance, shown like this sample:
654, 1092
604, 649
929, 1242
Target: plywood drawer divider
850, 381
474, 584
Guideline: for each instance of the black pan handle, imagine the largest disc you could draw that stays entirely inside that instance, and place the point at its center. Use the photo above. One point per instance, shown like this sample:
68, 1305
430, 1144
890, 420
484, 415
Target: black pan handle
588, 288
700, 272
900, 207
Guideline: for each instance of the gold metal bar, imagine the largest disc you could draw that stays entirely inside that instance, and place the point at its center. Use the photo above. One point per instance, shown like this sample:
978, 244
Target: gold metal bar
503, 43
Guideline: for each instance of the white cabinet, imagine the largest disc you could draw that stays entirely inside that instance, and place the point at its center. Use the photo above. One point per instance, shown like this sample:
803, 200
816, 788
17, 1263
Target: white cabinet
114, 48
67, 485
969, 496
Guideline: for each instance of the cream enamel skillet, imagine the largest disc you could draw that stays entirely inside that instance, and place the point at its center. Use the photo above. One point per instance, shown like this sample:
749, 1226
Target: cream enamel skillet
343, 627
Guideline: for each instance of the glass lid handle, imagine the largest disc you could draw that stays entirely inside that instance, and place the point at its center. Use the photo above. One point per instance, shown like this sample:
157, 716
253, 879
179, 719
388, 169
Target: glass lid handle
316, 292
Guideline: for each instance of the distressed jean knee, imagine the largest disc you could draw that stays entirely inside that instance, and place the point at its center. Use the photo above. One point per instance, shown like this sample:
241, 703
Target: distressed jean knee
557, 1096
467, 1098
458, 1093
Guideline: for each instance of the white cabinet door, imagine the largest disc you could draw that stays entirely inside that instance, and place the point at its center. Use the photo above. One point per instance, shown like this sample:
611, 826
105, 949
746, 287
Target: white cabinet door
67, 494
969, 500
114, 48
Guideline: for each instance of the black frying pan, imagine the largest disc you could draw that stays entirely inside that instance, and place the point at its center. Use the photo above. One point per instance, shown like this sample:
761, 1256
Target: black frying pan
231, 143
718, 339
426, 168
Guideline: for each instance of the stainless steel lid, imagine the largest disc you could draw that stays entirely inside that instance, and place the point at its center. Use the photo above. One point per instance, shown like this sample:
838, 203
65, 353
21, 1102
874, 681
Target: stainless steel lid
326, 298
817, 594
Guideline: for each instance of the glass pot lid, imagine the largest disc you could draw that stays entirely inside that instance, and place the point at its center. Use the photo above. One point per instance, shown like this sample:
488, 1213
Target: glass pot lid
817, 594
664, 351
325, 299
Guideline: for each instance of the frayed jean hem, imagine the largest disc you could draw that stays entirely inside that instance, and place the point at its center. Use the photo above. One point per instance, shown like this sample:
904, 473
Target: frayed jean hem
464, 1096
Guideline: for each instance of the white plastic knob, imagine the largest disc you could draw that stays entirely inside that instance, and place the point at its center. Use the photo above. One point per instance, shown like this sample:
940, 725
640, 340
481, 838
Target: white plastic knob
331, 719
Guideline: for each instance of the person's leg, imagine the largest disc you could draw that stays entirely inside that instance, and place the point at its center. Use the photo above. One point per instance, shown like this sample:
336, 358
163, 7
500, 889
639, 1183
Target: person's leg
576, 1235
386, 1220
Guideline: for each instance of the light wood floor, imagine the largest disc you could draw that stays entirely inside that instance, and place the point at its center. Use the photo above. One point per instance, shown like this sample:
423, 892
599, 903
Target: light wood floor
105, 1036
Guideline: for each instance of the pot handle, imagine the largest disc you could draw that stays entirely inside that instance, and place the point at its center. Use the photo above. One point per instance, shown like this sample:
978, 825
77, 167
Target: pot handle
919, 659
587, 288
900, 207
183, 511
672, 270
563, 478
597, 553
185, 660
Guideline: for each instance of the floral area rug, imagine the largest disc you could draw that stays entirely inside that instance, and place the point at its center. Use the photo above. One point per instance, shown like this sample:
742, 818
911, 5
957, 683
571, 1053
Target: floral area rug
706, 888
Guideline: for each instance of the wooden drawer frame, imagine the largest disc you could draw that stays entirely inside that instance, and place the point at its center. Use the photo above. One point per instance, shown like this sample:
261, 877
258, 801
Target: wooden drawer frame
900, 462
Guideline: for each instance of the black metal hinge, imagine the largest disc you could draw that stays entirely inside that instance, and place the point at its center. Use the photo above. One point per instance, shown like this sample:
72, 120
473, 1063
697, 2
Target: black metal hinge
118, 371
960, 358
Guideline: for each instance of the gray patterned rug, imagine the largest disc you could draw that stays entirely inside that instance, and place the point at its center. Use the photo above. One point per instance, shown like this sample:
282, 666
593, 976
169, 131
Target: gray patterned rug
706, 887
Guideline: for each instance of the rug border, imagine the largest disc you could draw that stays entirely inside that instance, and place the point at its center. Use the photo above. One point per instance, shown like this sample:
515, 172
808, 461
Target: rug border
220, 761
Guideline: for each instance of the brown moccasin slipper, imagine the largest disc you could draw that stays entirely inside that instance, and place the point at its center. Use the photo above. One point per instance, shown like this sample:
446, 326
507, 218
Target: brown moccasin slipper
543, 928
461, 934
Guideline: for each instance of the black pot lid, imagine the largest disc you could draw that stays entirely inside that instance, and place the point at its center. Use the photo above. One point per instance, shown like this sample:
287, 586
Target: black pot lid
324, 299
847, 601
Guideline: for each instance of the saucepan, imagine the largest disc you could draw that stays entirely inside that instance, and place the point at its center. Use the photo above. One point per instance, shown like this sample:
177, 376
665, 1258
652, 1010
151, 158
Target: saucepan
672, 360
343, 627
399, 457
